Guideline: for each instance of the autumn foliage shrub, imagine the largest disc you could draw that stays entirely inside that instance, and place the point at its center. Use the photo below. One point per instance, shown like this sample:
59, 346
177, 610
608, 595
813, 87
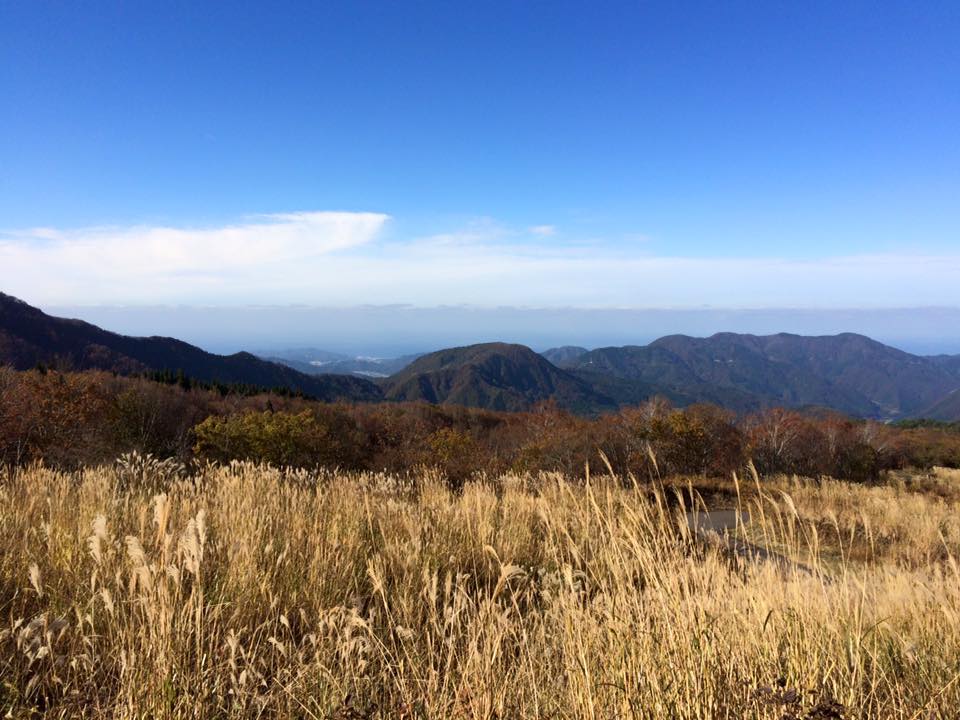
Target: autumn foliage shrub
278, 438
73, 419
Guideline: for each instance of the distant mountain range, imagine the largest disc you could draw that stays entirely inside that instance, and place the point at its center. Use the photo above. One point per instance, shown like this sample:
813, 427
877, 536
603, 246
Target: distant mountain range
848, 373
29, 337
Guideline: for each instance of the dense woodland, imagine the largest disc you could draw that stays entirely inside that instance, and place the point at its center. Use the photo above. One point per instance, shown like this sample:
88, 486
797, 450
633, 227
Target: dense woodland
70, 420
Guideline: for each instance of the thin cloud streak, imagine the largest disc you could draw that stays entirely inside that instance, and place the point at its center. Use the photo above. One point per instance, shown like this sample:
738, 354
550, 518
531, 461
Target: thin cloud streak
323, 258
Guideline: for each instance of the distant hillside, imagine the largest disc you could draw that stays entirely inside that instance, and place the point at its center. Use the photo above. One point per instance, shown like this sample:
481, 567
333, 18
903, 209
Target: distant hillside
950, 363
946, 409
560, 356
850, 373
301, 355
496, 376
29, 336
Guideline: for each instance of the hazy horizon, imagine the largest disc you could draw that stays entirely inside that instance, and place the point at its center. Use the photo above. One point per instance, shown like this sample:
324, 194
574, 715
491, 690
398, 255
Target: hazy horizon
389, 331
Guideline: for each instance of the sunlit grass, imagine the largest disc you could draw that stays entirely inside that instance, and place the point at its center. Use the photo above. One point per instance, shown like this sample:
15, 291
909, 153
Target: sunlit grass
248, 591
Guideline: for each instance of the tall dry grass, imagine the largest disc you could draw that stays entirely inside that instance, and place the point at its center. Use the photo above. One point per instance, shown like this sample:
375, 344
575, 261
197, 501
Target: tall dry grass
253, 592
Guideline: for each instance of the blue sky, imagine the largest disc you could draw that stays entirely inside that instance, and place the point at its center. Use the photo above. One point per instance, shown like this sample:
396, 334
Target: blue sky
605, 154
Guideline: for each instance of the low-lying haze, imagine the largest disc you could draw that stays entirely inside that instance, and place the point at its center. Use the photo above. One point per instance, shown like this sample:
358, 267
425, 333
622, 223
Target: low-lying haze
387, 331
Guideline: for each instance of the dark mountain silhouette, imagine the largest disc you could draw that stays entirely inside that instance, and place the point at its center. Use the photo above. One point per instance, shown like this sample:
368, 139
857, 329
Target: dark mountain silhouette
846, 372
497, 376
29, 337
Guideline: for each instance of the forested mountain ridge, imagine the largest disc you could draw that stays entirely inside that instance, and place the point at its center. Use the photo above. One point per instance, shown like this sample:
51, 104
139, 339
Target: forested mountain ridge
847, 372
496, 376
29, 337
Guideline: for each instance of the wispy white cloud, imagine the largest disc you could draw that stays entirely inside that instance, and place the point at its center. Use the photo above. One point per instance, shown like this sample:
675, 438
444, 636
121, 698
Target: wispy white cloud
336, 259
147, 263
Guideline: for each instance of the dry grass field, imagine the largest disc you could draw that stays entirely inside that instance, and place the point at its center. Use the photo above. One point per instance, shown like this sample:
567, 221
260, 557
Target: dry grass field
245, 591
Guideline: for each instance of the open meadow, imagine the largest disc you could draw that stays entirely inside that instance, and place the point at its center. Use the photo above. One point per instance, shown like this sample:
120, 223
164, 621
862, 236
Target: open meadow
138, 591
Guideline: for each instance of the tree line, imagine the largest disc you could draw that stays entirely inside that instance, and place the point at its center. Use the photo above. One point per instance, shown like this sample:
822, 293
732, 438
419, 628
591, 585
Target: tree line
74, 419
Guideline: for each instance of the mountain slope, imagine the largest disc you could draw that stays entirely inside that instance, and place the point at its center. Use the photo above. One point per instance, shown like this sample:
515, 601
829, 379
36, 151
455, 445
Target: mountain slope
497, 376
847, 372
949, 363
29, 336
895, 381
946, 409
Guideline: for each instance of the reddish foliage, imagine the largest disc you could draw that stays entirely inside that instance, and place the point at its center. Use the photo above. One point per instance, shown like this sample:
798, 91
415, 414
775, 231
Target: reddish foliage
70, 419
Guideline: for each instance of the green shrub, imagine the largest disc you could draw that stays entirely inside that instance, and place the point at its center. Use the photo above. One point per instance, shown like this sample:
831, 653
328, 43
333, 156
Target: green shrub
276, 437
